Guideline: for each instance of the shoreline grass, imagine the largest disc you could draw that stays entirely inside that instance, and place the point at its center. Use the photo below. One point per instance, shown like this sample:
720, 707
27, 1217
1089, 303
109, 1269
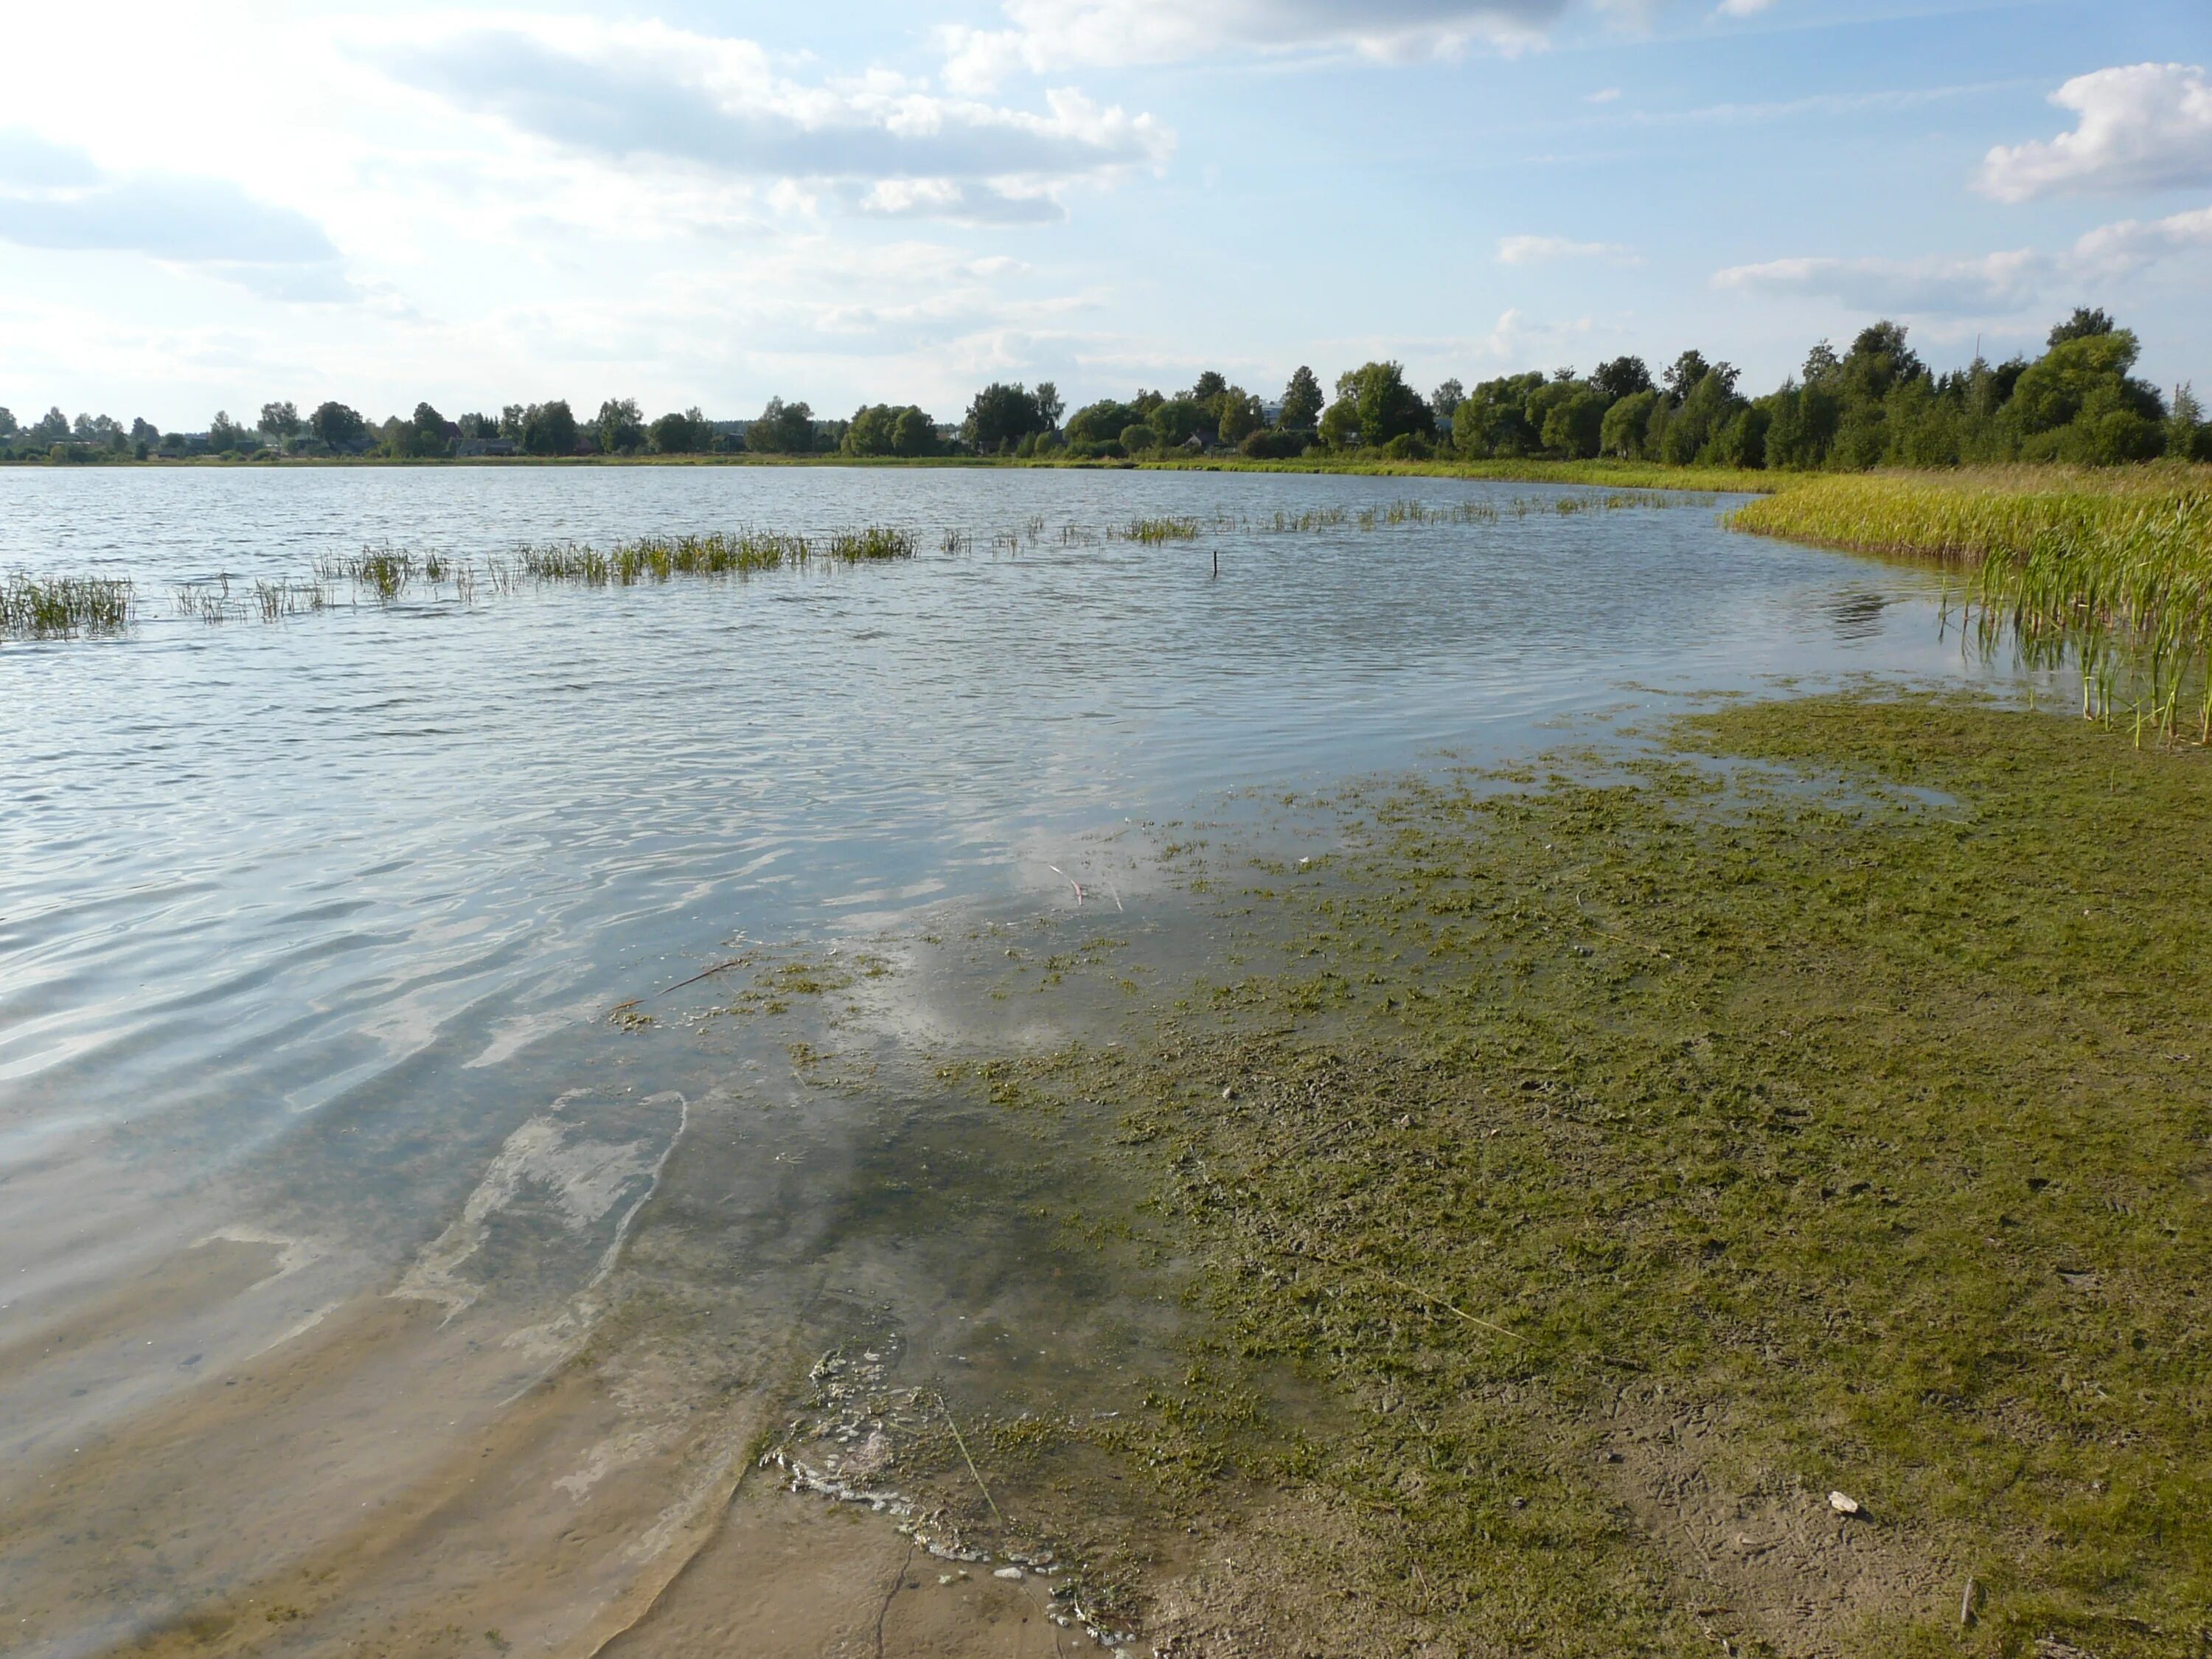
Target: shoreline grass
2110, 571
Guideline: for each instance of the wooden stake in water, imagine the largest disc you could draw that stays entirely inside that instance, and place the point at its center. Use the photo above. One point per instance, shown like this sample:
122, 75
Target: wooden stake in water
1217, 563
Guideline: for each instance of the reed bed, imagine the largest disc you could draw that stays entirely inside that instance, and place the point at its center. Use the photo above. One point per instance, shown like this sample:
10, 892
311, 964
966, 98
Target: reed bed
1153, 532
49, 607
2109, 572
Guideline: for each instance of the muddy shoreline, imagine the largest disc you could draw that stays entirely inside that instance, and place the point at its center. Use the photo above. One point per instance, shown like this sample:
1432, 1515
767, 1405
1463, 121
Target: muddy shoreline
1491, 1211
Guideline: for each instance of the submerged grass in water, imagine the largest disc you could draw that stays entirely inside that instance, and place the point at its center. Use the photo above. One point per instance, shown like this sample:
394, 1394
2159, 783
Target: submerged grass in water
1641, 1153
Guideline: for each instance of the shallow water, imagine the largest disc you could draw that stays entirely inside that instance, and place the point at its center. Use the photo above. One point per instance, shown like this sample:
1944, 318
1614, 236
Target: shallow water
308, 930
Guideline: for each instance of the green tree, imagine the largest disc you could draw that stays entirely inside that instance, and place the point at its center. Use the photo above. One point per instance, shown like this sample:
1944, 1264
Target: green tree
1445, 400
549, 429
142, 431
2084, 324
1274, 444
1049, 403
1691, 430
428, 433
1621, 433
684, 433
225, 436
1575, 426
1922, 423
1302, 401
1383, 405
881, 429
278, 422
8, 427
1742, 441
1340, 425
1178, 420
1683, 375
1137, 438
51, 427
1878, 361
1624, 377
2057, 388
1001, 416
1491, 421
510, 419
620, 427
1208, 387
1239, 417
1100, 422
478, 428
2187, 437
913, 433
782, 429
337, 426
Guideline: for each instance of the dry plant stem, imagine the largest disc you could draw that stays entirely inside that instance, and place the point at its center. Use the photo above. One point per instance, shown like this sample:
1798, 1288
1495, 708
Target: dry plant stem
968, 1458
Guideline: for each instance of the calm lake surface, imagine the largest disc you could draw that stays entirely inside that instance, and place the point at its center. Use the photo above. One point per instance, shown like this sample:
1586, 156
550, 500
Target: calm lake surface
304, 924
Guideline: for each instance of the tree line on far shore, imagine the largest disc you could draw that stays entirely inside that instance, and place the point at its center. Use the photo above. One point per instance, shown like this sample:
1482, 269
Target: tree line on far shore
1876, 404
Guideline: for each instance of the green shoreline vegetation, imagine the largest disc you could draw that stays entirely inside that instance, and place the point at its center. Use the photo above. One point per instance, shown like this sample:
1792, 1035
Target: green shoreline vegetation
1875, 405
1640, 1145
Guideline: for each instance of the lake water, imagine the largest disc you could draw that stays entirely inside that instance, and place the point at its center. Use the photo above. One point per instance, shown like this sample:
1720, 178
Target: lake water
309, 929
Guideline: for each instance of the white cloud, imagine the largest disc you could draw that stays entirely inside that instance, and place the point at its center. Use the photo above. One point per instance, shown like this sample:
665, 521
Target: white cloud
2122, 249
1602, 95
2145, 127
1537, 249
1993, 284
1046, 36
629, 91
1742, 7
55, 196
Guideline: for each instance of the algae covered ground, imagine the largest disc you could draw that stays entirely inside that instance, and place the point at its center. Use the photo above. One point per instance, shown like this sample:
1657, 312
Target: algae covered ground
1586, 1171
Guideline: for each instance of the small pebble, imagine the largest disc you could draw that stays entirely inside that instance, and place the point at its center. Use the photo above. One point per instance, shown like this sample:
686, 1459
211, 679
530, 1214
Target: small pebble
1007, 1572
1843, 1505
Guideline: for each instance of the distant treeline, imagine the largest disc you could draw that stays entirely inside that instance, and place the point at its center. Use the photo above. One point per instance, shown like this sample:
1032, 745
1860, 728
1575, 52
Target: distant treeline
1876, 405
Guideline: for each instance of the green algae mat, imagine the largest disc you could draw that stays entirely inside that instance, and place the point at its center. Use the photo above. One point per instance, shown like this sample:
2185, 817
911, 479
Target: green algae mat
1746, 1190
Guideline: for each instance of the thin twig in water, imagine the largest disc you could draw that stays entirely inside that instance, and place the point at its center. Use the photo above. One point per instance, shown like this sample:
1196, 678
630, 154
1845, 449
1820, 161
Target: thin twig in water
965, 1458
719, 968
1071, 881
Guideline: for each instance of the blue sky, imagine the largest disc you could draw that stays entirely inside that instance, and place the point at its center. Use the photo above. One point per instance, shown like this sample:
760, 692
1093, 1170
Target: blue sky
216, 205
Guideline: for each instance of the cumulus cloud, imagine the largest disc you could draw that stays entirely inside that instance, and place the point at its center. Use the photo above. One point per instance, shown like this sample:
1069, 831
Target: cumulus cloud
1993, 282
1045, 36
2148, 126
2130, 246
1742, 7
1537, 249
1990, 285
623, 92
960, 203
55, 196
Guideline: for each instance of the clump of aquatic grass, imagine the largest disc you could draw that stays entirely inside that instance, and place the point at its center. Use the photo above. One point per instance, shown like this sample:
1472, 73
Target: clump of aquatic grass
2110, 571
39, 607
1313, 519
876, 542
1153, 532
659, 558
384, 571
213, 601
